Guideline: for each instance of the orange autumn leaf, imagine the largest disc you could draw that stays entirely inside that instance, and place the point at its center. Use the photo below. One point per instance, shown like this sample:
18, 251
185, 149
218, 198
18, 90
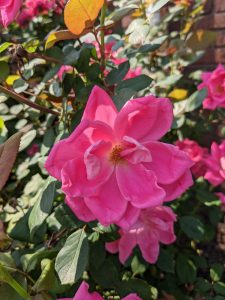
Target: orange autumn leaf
81, 14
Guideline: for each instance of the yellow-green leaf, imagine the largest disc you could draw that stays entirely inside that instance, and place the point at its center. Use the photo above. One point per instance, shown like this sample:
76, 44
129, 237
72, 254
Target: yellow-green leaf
57, 36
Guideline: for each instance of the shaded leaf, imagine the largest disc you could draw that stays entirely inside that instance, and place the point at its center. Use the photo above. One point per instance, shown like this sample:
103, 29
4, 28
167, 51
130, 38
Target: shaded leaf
42, 206
73, 257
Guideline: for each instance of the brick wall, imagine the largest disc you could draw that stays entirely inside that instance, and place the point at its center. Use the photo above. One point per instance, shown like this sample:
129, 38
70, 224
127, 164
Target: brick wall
214, 19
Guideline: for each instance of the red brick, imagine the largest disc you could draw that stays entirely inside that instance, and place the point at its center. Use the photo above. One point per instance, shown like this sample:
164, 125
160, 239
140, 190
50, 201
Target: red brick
219, 20
208, 58
220, 55
208, 6
207, 22
220, 39
219, 5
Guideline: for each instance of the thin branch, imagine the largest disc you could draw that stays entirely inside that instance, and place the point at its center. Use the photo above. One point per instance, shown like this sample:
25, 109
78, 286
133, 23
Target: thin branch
24, 100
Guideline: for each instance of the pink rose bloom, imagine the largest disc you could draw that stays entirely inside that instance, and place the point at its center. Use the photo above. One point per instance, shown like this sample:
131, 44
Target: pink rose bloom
83, 294
8, 11
112, 165
214, 82
154, 226
216, 164
62, 70
196, 154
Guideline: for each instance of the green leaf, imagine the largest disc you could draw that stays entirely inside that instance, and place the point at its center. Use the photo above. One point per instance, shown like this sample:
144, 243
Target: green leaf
116, 75
97, 254
137, 267
216, 271
107, 276
5, 46
48, 141
219, 287
7, 261
55, 89
166, 261
139, 287
153, 46
122, 96
6, 277
192, 227
27, 139
195, 100
20, 85
48, 280
186, 270
158, 5
119, 13
137, 83
30, 261
4, 67
66, 217
73, 258
169, 81
203, 285
138, 31
42, 206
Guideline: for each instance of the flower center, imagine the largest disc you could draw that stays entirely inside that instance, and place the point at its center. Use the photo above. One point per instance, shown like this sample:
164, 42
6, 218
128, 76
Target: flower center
115, 156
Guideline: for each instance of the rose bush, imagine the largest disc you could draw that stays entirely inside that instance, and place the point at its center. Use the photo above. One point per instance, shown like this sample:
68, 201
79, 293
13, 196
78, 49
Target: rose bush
100, 130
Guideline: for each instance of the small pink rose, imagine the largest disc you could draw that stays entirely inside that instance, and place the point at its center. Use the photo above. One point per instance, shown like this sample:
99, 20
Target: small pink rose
196, 153
214, 82
154, 226
215, 164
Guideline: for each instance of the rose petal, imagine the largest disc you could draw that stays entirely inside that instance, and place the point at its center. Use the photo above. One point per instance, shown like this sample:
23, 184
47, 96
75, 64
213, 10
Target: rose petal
175, 189
144, 119
129, 218
80, 209
126, 245
108, 205
139, 186
100, 107
75, 181
149, 246
75, 145
168, 162
134, 151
